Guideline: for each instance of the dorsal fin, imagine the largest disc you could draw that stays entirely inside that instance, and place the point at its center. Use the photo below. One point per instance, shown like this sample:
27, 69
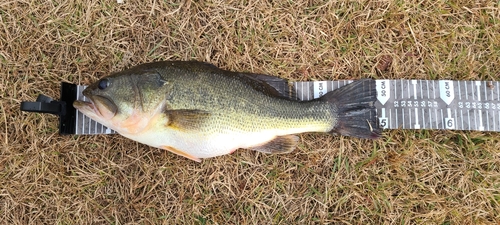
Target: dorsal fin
195, 66
269, 85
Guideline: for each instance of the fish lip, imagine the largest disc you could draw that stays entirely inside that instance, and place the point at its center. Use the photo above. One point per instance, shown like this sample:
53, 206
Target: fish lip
97, 104
89, 103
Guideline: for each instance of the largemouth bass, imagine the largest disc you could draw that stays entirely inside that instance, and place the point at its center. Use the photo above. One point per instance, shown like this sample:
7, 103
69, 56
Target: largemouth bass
197, 110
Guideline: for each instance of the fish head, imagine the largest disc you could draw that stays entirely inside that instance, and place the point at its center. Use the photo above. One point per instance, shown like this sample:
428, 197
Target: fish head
124, 101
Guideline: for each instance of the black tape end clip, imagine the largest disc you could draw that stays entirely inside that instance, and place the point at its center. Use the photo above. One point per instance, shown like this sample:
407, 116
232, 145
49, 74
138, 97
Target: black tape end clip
45, 104
63, 108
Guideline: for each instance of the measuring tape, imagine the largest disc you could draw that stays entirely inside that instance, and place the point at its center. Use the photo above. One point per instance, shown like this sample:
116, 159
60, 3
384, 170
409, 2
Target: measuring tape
426, 104
401, 104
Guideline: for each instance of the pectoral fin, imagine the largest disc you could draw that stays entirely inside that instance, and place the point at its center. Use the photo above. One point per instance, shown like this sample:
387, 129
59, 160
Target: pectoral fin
186, 119
279, 145
181, 153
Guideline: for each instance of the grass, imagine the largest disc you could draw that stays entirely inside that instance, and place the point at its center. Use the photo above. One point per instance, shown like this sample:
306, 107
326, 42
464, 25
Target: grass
407, 177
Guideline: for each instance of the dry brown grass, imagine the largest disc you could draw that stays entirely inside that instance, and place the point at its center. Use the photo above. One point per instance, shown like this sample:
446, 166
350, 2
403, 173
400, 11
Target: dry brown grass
407, 177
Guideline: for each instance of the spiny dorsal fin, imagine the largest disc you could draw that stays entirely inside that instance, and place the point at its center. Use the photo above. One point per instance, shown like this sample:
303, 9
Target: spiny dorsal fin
270, 85
186, 119
279, 145
193, 66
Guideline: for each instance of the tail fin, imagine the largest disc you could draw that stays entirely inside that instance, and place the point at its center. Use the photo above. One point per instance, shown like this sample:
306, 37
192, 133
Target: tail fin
354, 105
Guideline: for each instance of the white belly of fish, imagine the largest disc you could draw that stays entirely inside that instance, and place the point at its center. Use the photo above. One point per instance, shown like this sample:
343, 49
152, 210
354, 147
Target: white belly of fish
203, 146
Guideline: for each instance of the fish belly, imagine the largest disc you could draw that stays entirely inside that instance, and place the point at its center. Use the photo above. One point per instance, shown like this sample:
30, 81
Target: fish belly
201, 145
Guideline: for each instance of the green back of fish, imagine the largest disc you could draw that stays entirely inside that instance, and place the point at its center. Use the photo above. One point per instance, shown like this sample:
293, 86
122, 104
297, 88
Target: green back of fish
229, 101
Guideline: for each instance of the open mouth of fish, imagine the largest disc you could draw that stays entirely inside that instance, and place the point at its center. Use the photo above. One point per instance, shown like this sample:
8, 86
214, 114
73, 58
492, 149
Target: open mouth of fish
87, 106
98, 105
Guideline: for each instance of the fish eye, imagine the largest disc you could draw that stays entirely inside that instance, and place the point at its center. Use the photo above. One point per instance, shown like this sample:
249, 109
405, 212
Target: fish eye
103, 84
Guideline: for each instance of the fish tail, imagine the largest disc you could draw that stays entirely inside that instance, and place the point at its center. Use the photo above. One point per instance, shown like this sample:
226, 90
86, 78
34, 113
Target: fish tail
354, 105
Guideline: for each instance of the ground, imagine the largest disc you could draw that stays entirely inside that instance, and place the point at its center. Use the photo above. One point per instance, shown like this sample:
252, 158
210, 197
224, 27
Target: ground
406, 177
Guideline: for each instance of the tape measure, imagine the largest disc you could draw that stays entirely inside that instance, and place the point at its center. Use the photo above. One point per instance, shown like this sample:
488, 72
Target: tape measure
426, 104
402, 104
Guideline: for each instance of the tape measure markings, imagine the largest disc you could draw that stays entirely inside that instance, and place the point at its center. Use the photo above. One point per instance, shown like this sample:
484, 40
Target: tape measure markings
439, 104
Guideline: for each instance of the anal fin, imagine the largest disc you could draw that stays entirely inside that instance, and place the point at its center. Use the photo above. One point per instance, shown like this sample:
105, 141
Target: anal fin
181, 153
279, 145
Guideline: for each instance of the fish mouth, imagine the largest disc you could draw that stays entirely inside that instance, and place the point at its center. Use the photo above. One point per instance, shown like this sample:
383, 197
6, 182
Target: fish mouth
97, 107
87, 108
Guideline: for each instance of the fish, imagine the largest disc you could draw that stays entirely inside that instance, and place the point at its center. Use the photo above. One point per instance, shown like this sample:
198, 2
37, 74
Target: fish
197, 110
